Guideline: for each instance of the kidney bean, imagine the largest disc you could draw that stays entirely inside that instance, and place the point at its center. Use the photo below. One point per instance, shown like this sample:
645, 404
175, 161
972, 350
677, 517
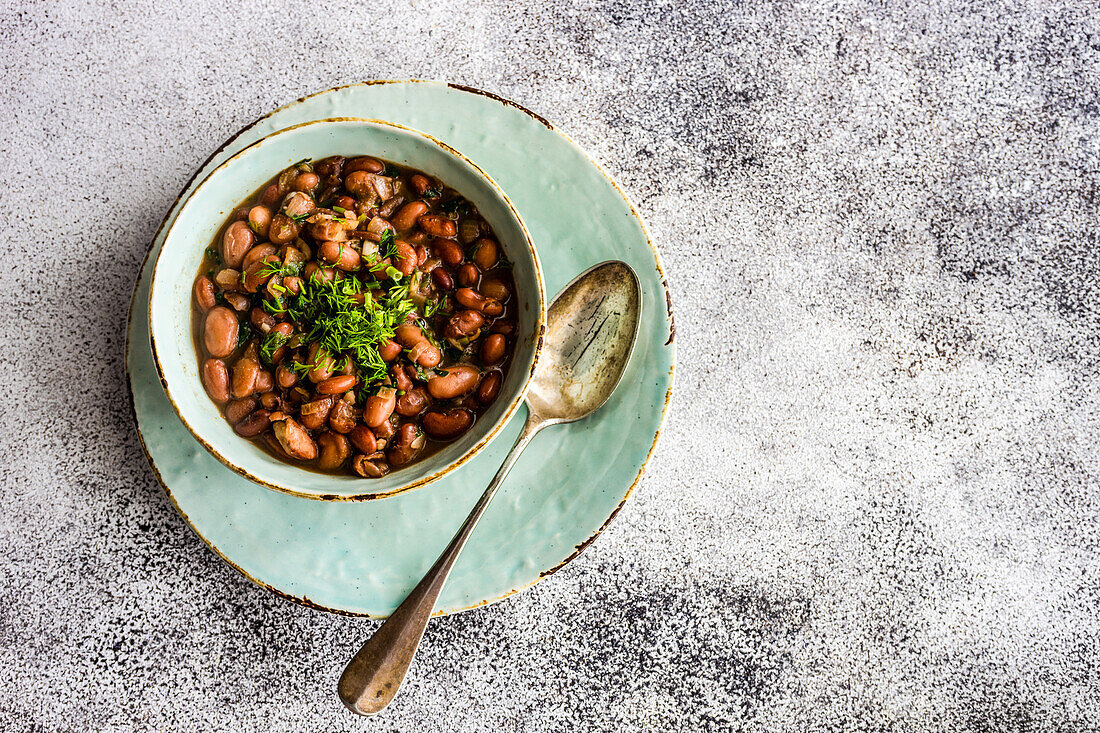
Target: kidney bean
334, 450
421, 350
283, 329
292, 284
420, 184
459, 380
204, 293
345, 202
389, 206
215, 377
238, 302
492, 349
383, 431
314, 414
297, 204
261, 319
264, 381
340, 254
282, 229
257, 253
258, 273
371, 165
504, 327
361, 184
470, 298
412, 403
437, 226
486, 253
254, 424
323, 363
407, 216
467, 275
442, 279
306, 182
363, 439
271, 400
330, 167
489, 387
245, 373
328, 230
228, 279
389, 350
236, 240
379, 407
271, 195
495, 288
285, 377
238, 410
449, 251
405, 260
463, 324
342, 417
294, 439
220, 331
400, 378
406, 444
337, 385
417, 238
447, 425
259, 219
369, 469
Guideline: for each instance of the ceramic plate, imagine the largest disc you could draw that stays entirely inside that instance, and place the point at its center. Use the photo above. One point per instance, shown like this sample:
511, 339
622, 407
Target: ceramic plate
364, 557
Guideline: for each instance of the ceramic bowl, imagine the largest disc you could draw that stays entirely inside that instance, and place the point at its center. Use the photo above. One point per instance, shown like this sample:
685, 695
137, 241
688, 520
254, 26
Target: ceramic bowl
207, 208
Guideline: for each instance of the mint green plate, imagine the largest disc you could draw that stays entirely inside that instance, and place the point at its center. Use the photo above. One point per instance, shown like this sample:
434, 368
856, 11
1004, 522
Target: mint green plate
364, 557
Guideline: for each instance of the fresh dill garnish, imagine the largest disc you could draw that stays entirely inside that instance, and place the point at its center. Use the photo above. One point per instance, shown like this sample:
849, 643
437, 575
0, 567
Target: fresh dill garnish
456, 206
214, 254
272, 343
271, 269
300, 217
387, 247
432, 193
244, 333
431, 306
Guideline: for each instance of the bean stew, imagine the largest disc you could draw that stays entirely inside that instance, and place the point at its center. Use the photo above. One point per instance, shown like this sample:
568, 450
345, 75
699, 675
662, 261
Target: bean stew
353, 315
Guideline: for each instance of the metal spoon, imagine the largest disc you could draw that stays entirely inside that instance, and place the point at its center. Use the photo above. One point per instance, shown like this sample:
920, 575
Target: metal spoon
590, 333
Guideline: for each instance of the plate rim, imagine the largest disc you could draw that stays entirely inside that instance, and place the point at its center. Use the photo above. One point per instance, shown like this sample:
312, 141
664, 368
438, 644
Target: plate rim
670, 343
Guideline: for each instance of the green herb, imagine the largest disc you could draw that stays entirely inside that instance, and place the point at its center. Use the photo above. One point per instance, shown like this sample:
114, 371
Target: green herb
387, 247
244, 333
214, 254
393, 273
300, 217
391, 170
272, 343
271, 269
432, 193
431, 306
457, 205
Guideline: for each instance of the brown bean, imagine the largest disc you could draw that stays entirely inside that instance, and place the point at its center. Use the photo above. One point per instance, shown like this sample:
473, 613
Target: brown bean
495, 288
328, 230
285, 377
363, 439
264, 381
435, 225
470, 298
504, 327
257, 253
459, 380
228, 279
282, 230
400, 378
337, 385
421, 350
329, 167
323, 363
420, 183
447, 425
489, 387
306, 182
442, 279
406, 444
236, 240
238, 302
315, 413
412, 403
361, 185
271, 400
258, 273
220, 331
294, 439
238, 410
340, 254
463, 324
371, 165
254, 424
407, 215
292, 284
379, 407
347, 203
259, 219
486, 253
297, 205
384, 431
389, 206
467, 275
368, 468
215, 377
245, 373
262, 320
203, 290
389, 350
271, 195
449, 251
492, 349
334, 450
405, 260
342, 417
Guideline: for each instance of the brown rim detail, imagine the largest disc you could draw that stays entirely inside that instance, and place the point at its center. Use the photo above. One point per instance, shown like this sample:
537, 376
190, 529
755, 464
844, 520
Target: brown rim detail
546, 573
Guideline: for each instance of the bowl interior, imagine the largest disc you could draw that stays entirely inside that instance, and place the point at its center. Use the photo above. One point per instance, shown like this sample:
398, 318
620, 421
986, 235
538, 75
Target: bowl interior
206, 210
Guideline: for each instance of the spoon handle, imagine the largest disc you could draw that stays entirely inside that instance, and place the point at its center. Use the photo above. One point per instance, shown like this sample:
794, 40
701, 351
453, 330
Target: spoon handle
374, 674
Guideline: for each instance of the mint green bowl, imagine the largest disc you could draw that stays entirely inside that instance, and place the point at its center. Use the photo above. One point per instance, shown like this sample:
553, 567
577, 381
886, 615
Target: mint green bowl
208, 207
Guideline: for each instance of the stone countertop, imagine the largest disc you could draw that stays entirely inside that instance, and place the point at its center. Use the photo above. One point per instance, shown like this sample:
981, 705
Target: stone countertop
875, 504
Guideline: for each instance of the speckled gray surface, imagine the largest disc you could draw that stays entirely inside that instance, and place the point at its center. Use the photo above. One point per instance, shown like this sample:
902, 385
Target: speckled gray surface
876, 502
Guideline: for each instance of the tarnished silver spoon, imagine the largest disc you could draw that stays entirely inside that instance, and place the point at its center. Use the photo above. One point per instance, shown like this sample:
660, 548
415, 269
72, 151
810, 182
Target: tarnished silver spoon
589, 336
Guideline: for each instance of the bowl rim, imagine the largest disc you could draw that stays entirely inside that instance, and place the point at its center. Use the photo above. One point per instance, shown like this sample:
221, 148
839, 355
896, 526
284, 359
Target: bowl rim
417, 482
